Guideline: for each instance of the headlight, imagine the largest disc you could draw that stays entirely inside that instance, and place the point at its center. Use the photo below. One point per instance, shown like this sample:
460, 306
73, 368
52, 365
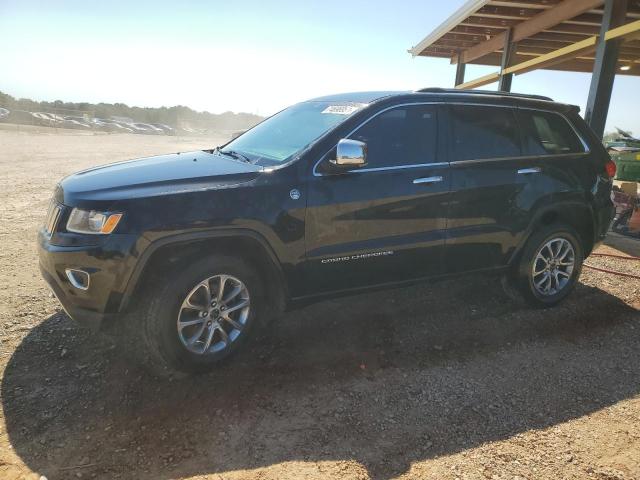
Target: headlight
92, 222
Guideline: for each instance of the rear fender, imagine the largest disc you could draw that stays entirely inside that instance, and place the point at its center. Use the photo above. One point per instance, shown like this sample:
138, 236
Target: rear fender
578, 215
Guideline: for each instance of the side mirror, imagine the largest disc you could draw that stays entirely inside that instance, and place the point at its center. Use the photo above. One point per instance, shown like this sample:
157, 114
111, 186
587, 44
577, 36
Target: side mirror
350, 154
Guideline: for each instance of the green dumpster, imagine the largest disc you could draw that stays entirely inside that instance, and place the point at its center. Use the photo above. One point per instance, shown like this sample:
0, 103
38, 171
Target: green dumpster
628, 165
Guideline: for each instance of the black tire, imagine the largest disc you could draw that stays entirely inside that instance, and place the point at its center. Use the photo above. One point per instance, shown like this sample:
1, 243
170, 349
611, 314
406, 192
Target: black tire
524, 272
154, 329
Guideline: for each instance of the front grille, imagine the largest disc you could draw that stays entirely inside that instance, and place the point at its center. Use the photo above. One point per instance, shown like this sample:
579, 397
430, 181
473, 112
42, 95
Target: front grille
53, 215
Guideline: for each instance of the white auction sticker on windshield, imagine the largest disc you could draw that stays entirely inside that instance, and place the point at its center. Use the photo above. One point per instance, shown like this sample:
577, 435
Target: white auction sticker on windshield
342, 109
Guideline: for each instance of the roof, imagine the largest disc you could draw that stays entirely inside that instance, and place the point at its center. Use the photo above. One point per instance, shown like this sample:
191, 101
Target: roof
357, 97
476, 32
448, 94
483, 93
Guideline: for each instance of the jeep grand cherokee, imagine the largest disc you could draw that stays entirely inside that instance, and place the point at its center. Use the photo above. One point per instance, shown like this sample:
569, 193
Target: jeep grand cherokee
333, 195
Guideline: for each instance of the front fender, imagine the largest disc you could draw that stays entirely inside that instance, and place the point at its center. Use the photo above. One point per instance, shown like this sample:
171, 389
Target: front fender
190, 237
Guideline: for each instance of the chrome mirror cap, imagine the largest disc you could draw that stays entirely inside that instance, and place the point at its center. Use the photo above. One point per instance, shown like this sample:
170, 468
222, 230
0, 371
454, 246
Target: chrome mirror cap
350, 153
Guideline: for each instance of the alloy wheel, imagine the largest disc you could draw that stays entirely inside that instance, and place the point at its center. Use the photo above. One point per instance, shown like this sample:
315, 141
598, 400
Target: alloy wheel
553, 266
213, 315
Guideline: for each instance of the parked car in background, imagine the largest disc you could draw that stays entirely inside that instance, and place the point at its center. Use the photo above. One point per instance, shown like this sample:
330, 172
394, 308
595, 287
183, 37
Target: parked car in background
111, 126
123, 127
81, 122
139, 127
76, 122
20, 117
191, 131
46, 119
332, 196
166, 129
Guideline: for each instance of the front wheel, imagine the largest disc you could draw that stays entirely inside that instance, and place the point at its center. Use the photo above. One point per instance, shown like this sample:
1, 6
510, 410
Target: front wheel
550, 265
199, 315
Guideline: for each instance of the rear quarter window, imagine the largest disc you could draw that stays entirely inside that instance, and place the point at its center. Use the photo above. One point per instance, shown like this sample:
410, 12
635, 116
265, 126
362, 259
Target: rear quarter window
547, 133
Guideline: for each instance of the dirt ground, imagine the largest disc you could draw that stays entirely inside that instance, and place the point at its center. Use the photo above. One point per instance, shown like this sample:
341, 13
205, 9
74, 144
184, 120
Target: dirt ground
444, 381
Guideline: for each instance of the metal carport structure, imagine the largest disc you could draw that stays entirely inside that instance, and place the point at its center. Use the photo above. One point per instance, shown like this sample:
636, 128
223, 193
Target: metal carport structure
518, 36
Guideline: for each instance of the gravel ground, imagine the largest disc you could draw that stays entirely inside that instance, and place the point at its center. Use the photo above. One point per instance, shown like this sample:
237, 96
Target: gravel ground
447, 380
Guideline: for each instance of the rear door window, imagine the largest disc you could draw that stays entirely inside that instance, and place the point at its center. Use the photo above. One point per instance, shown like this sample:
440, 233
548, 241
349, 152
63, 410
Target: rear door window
547, 133
480, 132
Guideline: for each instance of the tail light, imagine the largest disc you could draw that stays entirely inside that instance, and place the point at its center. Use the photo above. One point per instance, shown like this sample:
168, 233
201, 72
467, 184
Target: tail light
610, 168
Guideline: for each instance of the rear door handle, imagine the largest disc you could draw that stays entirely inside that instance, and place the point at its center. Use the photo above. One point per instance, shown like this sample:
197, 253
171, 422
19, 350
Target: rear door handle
527, 171
427, 180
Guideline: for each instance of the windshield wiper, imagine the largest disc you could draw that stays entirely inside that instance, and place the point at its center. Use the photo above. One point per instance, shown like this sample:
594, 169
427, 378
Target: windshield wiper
234, 154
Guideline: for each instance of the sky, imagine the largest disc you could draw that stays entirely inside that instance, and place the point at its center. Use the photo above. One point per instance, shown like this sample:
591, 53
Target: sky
244, 56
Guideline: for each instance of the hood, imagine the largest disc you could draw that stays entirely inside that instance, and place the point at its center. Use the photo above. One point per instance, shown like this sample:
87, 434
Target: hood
154, 176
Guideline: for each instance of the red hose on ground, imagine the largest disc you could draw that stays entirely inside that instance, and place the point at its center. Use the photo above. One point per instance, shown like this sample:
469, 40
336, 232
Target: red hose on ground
614, 272
626, 257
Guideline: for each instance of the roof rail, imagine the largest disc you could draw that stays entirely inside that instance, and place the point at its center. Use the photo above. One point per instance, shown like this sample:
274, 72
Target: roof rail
483, 92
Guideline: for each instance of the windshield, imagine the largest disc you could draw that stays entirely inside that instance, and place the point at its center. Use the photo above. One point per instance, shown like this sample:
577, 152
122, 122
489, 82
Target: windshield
280, 137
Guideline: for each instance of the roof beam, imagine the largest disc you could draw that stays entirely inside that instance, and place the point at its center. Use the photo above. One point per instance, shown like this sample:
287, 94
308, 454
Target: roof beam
557, 56
554, 37
484, 33
479, 82
571, 29
622, 31
528, 46
542, 21
463, 12
578, 64
525, 3
560, 59
509, 13
493, 26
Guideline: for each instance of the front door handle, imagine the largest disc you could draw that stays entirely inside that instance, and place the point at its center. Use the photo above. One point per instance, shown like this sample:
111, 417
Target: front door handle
427, 180
527, 171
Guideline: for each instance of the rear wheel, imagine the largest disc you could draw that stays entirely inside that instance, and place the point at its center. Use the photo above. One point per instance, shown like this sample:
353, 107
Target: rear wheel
550, 265
199, 316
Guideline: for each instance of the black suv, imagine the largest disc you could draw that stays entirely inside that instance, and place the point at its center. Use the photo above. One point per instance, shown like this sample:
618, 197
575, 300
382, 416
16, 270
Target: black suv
330, 196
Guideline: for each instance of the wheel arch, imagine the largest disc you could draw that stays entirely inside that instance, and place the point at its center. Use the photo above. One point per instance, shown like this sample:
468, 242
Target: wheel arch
170, 252
577, 215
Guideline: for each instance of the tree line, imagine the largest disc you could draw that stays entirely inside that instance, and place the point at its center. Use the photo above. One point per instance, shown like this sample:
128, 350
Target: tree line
178, 116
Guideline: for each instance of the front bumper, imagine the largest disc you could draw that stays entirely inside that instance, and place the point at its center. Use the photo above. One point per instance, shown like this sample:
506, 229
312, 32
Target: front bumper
84, 317
109, 265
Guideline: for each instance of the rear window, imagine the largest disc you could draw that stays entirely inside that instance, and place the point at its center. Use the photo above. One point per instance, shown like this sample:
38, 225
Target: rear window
547, 133
481, 132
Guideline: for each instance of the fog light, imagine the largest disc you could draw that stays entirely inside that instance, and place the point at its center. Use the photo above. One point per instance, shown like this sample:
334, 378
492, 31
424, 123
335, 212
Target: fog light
78, 278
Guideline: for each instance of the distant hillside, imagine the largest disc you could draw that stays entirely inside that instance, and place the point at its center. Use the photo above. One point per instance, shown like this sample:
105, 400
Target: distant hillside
177, 117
